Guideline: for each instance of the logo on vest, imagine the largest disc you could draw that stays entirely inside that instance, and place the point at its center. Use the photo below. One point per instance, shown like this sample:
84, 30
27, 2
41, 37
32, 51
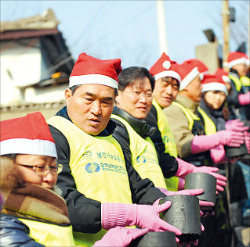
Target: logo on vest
92, 167
141, 159
165, 139
87, 154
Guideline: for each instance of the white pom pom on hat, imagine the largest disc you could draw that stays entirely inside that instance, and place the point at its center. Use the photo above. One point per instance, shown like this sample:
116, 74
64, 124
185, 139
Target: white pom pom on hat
165, 67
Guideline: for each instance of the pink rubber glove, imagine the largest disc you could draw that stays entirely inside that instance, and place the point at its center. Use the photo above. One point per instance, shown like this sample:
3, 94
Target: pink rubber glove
235, 125
225, 137
247, 140
218, 155
144, 216
120, 236
195, 243
184, 168
244, 99
181, 184
189, 192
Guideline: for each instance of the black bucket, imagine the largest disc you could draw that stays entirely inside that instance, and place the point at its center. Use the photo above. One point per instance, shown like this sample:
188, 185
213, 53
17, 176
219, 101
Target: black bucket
150, 239
232, 152
183, 214
205, 181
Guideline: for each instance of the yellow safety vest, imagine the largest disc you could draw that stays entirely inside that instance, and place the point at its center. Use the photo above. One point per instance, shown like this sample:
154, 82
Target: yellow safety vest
236, 81
169, 141
189, 115
50, 234
245, 81
166, 133
143, 156
209, 125
98, 167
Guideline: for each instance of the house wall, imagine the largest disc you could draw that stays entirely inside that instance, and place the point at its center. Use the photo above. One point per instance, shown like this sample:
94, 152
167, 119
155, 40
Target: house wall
21, 65
47, 109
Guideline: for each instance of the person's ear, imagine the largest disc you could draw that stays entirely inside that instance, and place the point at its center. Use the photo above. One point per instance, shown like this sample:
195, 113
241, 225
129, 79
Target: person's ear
67, 95
118, 98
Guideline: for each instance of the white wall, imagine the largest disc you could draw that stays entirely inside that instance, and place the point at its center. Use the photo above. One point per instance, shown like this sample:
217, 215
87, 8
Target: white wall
21, 65
44, 95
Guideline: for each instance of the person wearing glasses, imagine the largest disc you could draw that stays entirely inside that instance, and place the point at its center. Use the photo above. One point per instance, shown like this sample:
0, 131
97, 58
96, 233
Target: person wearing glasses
32, 213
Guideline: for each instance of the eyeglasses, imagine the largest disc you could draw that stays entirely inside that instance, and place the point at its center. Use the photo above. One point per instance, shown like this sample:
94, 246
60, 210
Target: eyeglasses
44, 170
138, 95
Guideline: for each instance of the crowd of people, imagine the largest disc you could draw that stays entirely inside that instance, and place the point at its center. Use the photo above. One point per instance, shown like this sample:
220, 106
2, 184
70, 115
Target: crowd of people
94, 174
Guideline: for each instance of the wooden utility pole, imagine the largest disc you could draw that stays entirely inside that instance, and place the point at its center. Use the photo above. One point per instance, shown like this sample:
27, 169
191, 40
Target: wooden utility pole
225, 18
161, 27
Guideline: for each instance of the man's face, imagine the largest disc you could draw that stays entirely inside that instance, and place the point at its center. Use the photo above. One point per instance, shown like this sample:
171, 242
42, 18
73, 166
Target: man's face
90, 107
194, 89
241, 69
136, 99
165, 91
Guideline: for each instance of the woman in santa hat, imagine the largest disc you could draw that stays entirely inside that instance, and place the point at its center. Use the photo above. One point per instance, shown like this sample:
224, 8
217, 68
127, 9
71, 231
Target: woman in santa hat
32, 214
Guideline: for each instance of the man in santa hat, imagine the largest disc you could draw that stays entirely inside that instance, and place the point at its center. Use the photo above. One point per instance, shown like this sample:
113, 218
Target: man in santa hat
239, 99
167, 85
98, 185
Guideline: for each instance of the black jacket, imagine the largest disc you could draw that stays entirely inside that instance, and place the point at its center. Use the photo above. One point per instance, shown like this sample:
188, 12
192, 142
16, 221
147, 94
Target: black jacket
233, 100
85, 213
144, 128
15, 233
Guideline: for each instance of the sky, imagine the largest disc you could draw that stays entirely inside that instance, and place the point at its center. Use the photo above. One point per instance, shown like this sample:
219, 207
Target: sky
129, 29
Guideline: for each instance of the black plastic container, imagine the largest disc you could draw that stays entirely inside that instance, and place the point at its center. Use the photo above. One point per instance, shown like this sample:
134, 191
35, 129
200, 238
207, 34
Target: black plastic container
184, 214
205, 181
152, 239
236, 151
232, 152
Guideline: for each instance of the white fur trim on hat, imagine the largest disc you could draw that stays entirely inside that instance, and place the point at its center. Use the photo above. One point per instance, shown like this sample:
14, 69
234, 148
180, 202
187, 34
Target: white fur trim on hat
202, 74
168, 73
28, 146
214, 86
241, 60
226, 78
93, 79
194, 72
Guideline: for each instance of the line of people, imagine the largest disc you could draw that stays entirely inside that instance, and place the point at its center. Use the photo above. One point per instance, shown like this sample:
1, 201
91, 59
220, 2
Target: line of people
96, 169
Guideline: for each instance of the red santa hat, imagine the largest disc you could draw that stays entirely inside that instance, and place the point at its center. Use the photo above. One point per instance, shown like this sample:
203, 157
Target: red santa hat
90, 70
27, 135
165, 67
213, 83
223, 75
202, 68
187, 72
235, 58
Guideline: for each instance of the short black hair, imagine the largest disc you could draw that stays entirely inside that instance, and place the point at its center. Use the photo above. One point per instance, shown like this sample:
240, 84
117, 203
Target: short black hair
130, 74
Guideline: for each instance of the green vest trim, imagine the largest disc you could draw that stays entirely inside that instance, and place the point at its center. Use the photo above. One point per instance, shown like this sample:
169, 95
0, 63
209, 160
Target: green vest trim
166, 133
236, 81
190, 115
169, 141
210, 127
245, 81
